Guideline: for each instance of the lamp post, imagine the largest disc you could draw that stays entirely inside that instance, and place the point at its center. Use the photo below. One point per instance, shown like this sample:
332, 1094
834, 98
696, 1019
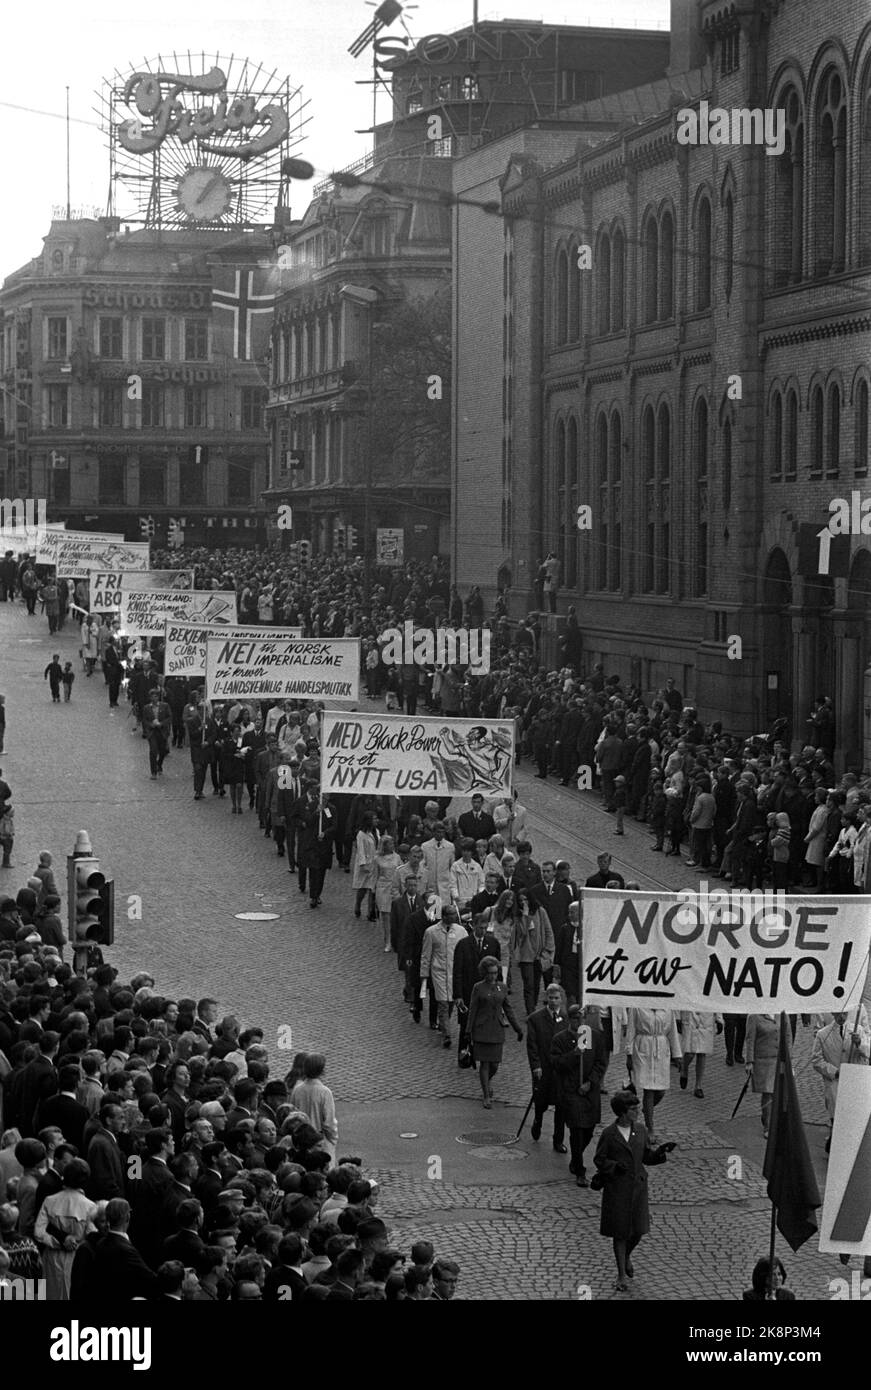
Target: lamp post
364, 297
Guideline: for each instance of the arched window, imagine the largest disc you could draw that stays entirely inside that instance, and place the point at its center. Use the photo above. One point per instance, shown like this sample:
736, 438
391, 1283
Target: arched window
560, 488
792, 435
830, 201
603, 282
817, 443
663, 470
648, 444
728, 243
833, 434
650, 279
561, 278
786, 209
777, 437
703, 255
615, 451
663, 461
570, 568
618, 280
666, 266
861, 423
863, 164
727, 465
573, 308
604, 509
700, 440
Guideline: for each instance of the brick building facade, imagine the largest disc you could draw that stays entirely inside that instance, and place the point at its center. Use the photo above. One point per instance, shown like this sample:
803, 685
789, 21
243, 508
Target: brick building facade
703, 387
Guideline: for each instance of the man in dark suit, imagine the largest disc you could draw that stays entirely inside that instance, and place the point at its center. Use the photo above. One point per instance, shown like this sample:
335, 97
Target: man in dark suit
286, 1281
541, 1027
555, 898
210, 1183
476, 824
62, 1111
208, 1013
579, 1073
120, 1273
412, 946
187, 1243
565, 955
494, 884
468, 955
105, 1159
400, 910
33, 1085
150, 1224
605, 874
290, 805
176, 1099
246, 1098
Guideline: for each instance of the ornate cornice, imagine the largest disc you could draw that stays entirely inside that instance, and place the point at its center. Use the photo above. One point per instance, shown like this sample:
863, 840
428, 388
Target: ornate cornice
816, 332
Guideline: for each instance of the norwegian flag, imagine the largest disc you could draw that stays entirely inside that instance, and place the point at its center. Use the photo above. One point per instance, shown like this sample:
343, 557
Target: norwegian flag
243, 306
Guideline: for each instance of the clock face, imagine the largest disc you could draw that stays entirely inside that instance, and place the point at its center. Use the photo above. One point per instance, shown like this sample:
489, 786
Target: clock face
204, 194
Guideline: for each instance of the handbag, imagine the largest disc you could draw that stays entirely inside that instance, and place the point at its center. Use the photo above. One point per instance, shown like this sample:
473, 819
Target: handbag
597, 1182
466, 1058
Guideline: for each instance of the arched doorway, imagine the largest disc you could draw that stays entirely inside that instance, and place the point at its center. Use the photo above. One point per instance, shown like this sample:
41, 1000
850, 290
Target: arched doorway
777, 639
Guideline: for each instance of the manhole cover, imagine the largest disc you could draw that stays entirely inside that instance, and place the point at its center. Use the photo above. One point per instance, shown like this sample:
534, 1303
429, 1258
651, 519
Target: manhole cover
256, 916
408, 1134
483, 1137
496, 1151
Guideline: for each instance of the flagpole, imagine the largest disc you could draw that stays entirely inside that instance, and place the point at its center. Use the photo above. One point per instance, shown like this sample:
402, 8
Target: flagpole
770, 1293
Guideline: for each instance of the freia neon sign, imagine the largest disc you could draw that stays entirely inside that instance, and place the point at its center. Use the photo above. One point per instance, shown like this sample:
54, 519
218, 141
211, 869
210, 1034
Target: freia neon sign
156, 95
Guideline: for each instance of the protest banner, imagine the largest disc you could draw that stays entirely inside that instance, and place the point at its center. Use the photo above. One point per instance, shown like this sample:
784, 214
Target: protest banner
401, 755
24, 540
185, 653
845, 1225
76, 553
105, 585
145, 612
389, 545
309, 668
739, 952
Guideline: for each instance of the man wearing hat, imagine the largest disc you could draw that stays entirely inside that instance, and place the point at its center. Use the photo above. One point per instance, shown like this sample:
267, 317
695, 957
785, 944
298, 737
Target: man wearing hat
579, 1061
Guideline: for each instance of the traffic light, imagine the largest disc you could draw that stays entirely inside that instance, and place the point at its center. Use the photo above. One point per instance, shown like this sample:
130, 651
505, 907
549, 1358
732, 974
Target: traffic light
305, 550
146, 527
351, 541
339, 537
90, 902
293, 552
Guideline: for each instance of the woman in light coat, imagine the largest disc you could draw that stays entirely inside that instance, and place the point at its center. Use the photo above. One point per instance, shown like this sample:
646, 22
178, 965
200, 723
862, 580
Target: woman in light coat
365, 871
387, 861
69, 1214
696, 1040
89, 645
651, 1042
760, 1047
493, 862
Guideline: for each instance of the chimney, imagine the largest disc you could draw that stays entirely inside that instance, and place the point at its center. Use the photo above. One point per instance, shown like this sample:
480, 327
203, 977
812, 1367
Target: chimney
688, 49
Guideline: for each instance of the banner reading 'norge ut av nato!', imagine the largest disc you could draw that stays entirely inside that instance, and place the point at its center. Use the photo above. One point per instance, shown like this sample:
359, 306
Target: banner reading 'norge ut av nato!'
77, 553
185, 653
105, 586
401, 755
145, 612
740, 952
310, 668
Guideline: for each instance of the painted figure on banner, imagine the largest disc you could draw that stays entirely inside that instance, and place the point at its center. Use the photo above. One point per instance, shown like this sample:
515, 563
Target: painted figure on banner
480, 762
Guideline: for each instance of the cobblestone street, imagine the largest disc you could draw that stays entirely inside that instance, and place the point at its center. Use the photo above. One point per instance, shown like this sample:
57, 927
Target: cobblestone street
510, 1214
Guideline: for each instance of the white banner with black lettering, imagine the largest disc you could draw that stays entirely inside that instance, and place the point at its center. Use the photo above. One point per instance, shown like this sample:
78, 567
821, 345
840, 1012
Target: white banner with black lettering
105, 585
401, 755
740, 952
185, 653
76, 553
145, 612
309, 668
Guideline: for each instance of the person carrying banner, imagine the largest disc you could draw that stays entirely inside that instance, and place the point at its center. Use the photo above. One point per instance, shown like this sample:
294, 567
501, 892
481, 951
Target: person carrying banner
578, 1071
651, 1043
837, 1043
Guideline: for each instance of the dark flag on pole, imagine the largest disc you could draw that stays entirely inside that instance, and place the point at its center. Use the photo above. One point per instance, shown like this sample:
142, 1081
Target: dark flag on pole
792, 1184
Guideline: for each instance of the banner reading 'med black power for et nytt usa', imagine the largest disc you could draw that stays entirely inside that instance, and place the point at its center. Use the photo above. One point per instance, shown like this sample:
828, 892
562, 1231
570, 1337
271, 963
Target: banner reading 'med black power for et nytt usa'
401, 755
747, 953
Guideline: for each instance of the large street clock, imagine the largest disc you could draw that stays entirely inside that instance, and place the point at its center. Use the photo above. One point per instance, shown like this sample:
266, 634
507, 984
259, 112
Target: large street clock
204, 194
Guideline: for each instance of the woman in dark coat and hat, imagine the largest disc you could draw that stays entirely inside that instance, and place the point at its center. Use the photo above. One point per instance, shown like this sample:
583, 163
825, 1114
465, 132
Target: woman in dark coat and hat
488, 1005
579, 1073
622, 1152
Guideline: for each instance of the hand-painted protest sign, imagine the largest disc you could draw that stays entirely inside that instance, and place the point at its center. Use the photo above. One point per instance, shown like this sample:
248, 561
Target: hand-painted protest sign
310, 668
185, 653
738, 952
24, 539
401, 755
76, 553
389, 545
845, 1225
145, 612
106, 585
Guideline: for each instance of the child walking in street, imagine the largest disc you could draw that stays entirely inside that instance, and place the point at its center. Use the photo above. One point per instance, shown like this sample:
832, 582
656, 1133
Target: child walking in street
68, 677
